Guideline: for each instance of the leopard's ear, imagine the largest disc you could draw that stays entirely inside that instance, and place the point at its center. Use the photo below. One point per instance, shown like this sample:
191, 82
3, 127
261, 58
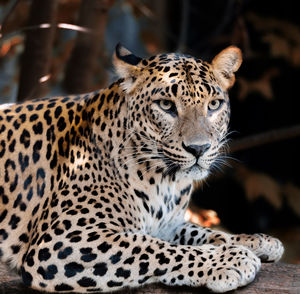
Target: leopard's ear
126, 66
226, 63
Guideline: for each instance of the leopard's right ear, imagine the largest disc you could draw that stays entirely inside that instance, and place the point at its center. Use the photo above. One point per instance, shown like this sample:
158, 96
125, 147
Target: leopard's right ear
126, 65
226, 63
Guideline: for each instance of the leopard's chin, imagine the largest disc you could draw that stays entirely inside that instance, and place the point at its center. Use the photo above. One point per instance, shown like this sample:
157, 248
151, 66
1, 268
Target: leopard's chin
195, 172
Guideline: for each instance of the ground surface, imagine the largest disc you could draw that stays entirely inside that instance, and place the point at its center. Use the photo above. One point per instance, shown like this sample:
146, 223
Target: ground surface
278, 278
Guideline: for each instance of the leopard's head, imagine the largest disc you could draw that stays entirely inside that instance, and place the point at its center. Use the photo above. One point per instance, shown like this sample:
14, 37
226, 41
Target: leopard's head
178, 108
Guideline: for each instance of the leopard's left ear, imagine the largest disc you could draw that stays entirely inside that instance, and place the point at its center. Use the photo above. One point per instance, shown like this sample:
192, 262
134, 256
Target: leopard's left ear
226, 63
126, 65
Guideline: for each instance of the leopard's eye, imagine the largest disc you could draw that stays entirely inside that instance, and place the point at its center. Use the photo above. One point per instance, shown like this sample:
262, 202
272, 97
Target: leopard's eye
167, 105
215, 104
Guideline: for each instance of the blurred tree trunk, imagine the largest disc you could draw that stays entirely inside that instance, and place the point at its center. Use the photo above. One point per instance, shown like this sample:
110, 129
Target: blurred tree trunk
161, 21
83, 61
35, 61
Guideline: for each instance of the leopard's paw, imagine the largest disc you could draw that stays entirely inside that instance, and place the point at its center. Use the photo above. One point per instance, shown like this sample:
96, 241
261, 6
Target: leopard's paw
270, 249
233, 267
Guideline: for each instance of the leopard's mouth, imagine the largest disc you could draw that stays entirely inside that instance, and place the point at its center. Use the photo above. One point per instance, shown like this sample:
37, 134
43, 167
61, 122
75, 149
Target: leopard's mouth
193, 170
182, 166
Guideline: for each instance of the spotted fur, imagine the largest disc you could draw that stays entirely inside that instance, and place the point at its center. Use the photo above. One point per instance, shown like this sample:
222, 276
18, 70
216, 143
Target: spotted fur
93, 188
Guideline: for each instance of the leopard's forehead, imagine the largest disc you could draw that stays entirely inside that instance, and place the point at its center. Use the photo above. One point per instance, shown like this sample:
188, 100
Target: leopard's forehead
187, 78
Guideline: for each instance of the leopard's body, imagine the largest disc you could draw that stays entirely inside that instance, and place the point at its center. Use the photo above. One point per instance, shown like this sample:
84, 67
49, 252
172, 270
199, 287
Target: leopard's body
93, 188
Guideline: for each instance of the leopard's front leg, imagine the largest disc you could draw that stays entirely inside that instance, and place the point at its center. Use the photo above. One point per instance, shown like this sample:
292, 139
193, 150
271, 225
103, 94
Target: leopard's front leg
265, 247
106, 261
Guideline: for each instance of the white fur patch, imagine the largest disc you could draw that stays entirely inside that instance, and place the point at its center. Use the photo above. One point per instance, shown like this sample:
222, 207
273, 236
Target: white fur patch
6, 105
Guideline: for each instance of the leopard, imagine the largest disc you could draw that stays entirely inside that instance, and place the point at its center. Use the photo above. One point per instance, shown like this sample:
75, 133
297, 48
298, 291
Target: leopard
94, 187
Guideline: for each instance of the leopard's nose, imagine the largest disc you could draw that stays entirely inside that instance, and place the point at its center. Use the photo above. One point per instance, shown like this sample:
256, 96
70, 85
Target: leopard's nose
196, 150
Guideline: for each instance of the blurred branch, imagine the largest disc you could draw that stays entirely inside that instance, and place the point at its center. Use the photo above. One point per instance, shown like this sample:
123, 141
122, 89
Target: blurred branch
35, 61
264, 138
83, 61
64, 26
7, 11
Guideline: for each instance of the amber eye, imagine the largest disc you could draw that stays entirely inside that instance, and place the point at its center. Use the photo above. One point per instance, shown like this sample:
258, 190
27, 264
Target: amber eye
167, 106
215, 104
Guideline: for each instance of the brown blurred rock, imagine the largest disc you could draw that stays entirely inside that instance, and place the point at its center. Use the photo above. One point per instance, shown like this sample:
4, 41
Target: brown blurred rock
278, 278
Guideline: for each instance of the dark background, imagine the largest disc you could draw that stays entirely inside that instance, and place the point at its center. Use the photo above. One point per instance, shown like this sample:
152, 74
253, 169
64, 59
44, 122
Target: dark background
260, 192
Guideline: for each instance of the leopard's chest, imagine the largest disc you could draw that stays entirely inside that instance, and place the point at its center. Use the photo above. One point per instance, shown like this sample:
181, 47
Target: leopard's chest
166, 209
